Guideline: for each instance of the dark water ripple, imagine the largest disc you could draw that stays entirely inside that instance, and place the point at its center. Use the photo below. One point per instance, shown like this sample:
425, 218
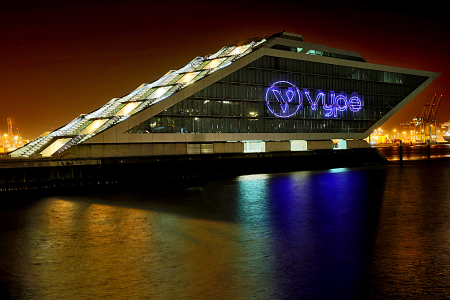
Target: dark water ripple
362, 233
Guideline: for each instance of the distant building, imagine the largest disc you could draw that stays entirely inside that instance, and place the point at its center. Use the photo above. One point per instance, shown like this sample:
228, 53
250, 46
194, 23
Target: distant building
278, 93
10, 141
408, 131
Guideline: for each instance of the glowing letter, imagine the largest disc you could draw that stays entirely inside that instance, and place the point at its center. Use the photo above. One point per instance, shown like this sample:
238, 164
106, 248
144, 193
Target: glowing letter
340, 104
354, 103
316, 102
329, 108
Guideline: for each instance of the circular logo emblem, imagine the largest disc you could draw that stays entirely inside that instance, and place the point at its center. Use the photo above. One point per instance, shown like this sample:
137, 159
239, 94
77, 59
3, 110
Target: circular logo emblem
283, 99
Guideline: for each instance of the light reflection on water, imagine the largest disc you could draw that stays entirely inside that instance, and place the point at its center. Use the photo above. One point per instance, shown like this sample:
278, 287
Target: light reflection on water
416, 152
380, 233
338, 170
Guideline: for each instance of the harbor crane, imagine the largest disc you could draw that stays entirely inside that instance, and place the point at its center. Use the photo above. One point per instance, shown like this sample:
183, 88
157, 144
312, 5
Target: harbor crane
427, 118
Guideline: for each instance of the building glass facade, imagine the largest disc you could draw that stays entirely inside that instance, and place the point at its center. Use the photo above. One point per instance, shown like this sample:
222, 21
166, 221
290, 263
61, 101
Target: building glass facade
237, 103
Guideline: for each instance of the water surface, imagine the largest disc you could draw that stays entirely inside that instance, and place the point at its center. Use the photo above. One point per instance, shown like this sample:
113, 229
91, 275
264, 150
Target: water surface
415, 152
361, 233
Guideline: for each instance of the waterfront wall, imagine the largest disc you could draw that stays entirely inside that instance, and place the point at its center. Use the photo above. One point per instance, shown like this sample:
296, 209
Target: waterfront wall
53, 173
160, 149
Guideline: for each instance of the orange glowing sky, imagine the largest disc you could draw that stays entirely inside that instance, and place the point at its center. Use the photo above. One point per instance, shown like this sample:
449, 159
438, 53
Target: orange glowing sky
61, 59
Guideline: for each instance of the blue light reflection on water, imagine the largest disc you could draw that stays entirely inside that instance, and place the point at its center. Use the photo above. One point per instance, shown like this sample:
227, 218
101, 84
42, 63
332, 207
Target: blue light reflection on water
317, 225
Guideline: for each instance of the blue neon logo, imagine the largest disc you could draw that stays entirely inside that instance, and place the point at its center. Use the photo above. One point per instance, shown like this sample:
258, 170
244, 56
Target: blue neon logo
284, 100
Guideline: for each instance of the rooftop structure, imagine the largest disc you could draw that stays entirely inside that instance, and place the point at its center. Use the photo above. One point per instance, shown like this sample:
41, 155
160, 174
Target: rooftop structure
278, 91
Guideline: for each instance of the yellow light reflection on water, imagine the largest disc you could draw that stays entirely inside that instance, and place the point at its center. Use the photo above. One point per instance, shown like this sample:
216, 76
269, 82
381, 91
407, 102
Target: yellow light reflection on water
252, 177
90, 249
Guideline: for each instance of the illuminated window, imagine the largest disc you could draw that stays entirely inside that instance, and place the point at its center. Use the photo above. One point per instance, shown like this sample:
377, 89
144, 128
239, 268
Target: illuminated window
127, 109
55, 146
238, 50
187, 78
93, 126
254, 146
214, 63
159, 92
314, 52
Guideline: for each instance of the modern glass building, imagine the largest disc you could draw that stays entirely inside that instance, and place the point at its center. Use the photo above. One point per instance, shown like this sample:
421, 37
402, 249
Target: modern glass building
277, 93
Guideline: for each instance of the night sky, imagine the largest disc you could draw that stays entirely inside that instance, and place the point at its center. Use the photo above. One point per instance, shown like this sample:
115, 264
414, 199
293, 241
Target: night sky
60, 59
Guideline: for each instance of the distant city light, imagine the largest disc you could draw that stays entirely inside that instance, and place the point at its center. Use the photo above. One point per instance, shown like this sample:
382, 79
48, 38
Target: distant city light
10, 141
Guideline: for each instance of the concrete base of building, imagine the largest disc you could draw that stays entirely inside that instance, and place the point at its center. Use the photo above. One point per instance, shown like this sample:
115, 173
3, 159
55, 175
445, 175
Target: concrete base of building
159, 149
